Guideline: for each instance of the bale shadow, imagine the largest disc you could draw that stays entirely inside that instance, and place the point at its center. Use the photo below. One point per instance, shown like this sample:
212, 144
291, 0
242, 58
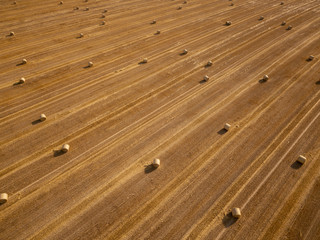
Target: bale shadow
19, 64
262, 81
228, 220
308, 60
182, 54
142, 63
202, 81
149, 168
318, 82
1, 203
57, 153
296, 165
222, 131
35, 122
16, 83
86, 67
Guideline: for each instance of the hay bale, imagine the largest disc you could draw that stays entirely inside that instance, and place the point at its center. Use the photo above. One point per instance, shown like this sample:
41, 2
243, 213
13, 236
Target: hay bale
236, 212
24, 61
76, 8
65, 148
311, 57
185, 51
3, 198
61, 2
228, 23
145, 60
22, 80
81, 35
43, 117
302, 159
11, 34
158, 32
261, 18
180, 7
105, 10
103, 23
90, 64
87, 9
265, 78
281, 3
289, 27
283, 23
209, 63
103, 16
156, 163
206, 78
153, 22
227, 126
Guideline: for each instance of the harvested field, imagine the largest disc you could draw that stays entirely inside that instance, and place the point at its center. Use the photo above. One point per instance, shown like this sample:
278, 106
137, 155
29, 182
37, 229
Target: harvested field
120, 113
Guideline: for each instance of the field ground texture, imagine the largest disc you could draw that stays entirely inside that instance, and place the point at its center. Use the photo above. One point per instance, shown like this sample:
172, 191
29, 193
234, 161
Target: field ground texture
120, 114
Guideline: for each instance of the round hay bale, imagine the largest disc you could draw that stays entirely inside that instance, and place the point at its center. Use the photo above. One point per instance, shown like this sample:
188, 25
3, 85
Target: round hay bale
311, 57
180, 7
145, 60
158, 32
156, 163
24, 61
61, 2
43, 117
81, 35
261, 18
65, 148
22, 80
209, 63
227, 126
103, 16
87, 9
236, 212
302, 159
206, 78
154, 22
76, 8
283, 23
90, 64
185, 51
103, 23
289, 27
3, 198
105, 10
11, 34
228, 23
265, 78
